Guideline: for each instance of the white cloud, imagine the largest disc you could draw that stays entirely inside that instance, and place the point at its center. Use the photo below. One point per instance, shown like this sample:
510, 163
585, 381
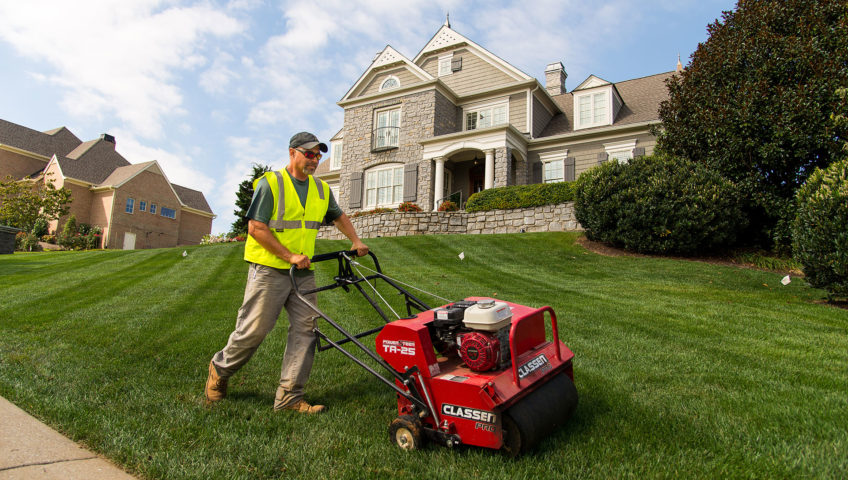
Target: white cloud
179, 168
127, 61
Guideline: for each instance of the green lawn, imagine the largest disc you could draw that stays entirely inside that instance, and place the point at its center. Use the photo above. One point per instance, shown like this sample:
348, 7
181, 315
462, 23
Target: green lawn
684, 369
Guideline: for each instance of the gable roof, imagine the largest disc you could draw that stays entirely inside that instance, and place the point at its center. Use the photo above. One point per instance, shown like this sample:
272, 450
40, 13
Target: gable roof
92, 162
59, 140
191, 198
389, 57
447, 38
641, 98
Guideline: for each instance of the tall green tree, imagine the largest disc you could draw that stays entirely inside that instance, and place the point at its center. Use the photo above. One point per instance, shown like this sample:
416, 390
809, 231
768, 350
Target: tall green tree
243, 197
23, 202
756, 102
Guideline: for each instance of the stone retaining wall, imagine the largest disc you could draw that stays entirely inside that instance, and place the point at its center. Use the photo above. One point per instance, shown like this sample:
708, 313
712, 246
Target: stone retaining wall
548, 218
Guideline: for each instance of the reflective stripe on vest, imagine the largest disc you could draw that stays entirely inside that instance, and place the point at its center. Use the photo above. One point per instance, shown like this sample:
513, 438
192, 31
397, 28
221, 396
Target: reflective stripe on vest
280, 224
293, 224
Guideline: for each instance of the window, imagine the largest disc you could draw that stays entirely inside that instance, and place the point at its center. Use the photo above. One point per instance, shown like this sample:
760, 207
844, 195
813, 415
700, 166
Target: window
621, 152
390, 83
142, 206
130, 205
445, 65
335, 190
383, 186
593, 109
552, 171
168, 212
387, 133
336, 159
486, 117
153, 208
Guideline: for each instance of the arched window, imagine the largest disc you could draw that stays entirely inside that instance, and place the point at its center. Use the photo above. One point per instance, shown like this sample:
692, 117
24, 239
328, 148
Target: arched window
390, 83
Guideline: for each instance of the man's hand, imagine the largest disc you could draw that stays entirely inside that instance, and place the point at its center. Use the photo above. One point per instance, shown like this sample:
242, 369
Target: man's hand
361, 249
300, 261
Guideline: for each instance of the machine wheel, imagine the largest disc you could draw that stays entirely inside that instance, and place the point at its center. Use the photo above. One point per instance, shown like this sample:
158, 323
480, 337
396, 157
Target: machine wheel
405, 431
538, 414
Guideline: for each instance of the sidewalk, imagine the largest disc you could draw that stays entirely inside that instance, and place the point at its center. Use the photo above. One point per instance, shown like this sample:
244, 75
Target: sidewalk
30, 449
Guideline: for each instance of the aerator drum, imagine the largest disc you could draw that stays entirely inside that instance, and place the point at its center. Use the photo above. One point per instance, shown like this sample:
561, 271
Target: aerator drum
488, 372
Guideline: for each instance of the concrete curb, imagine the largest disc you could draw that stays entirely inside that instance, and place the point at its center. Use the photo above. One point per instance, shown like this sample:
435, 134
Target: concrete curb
30, 449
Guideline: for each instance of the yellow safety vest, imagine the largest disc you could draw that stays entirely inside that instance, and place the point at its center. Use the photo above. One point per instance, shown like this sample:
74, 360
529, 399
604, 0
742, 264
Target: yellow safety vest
294, 226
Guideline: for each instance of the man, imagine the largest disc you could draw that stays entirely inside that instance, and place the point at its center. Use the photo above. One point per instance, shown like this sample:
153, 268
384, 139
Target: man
287, 208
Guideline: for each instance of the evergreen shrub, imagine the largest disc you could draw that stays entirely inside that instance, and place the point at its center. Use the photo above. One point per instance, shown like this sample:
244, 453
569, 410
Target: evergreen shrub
820, 229
521, 196
658, 204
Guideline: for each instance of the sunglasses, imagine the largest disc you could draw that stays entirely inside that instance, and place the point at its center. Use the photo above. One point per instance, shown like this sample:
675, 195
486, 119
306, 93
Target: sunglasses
309, 154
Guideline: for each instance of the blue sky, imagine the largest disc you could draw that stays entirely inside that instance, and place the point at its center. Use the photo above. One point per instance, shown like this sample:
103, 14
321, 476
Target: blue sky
208, 88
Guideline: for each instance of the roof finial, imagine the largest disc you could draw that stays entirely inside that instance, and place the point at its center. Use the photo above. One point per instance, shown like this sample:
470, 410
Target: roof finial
447, 20
679, 65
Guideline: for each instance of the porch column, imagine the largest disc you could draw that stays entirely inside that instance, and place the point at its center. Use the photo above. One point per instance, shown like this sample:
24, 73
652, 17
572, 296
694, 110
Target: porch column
489, 178
439, 183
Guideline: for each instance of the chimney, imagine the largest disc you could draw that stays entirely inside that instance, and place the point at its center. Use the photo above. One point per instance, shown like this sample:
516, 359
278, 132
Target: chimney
108, 138
555, 78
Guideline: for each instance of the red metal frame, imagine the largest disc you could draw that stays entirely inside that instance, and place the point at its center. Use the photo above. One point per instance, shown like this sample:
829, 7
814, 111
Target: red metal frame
467, 403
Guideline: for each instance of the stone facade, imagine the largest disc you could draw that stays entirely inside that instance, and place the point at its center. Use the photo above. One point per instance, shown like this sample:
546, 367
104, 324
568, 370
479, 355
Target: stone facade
547, 218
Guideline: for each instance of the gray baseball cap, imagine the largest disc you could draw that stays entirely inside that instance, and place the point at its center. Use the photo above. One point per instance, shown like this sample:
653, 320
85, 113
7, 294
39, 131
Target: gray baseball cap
306, 140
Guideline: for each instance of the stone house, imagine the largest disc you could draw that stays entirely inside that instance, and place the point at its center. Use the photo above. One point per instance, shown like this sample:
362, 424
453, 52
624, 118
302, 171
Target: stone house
135, 205
456, 119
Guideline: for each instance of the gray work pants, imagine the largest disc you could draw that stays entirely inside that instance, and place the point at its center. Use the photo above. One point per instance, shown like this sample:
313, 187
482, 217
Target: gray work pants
268, 290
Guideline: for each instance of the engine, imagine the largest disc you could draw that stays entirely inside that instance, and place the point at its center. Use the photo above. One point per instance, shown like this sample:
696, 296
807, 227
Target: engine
477, 331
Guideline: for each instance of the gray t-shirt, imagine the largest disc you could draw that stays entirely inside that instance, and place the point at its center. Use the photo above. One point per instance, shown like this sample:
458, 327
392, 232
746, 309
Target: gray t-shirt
262, 205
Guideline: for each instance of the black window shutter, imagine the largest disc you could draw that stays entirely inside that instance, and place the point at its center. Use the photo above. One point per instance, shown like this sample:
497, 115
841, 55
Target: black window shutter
536, 175
355, 198
603, 157
638, 152
410, 182
569, 169
456, 64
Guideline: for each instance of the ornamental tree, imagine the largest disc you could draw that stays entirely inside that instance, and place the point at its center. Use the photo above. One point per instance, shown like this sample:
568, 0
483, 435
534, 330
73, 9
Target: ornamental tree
23, 202
756, 101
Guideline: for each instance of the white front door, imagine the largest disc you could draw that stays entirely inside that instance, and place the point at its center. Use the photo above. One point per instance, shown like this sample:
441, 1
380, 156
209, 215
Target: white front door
129, 241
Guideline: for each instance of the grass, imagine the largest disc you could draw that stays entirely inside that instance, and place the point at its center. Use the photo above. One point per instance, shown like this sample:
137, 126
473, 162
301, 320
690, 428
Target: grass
684, 369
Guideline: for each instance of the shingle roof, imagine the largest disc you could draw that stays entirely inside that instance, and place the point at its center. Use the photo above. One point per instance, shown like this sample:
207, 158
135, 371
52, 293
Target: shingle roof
122, 174
641, 97
92, 161
59, 140
192, 198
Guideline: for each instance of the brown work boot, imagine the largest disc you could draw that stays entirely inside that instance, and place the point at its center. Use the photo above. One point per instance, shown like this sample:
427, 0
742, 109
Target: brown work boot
216, 385
303, 407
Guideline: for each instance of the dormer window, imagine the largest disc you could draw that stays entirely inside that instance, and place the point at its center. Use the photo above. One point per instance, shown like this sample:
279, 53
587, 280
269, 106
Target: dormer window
390, 83
593, 109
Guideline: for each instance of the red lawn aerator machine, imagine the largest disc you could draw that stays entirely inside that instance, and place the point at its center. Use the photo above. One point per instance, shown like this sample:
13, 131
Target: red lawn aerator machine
479, 371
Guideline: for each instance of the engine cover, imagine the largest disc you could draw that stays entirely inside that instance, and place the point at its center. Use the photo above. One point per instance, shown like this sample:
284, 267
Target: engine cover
479, 351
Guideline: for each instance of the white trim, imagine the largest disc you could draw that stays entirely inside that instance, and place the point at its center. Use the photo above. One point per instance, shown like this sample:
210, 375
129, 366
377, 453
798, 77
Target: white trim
374, 171
625, 147
442, 58
591, 82
446, 38
389, 56
383, 88
336, 163
198, 212
390, 108
483, 105
555, 155
606, 91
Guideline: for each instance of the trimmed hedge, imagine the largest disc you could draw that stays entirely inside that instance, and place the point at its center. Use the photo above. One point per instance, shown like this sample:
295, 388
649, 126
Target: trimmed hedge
658, 205
521, 196
820, 229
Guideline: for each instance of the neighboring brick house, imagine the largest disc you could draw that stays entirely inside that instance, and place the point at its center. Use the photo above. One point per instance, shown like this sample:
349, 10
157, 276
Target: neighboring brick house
457, 119
134, 204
